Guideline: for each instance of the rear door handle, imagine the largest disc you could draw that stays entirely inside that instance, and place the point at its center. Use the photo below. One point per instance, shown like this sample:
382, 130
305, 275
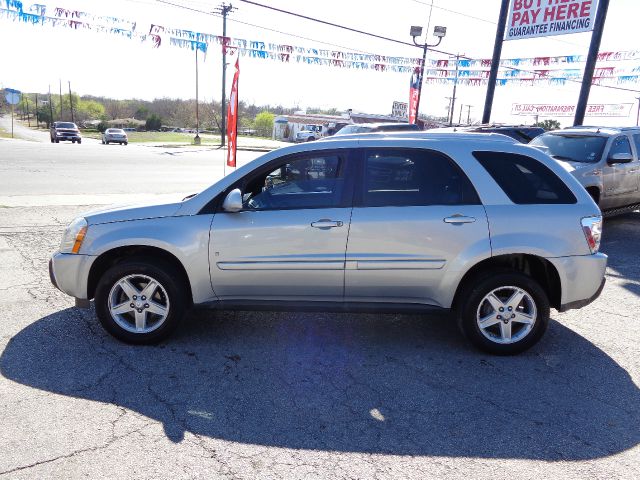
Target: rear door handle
459, 219
326, 223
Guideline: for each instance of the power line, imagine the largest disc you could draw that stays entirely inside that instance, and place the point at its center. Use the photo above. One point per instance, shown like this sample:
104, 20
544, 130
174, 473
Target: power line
317, 20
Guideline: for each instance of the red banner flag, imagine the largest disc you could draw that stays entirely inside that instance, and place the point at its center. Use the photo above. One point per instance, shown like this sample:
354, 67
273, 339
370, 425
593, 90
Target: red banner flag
232, 119
413, 95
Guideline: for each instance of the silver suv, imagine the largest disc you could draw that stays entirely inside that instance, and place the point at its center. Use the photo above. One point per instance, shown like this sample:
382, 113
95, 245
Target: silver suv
606, 161
448, 223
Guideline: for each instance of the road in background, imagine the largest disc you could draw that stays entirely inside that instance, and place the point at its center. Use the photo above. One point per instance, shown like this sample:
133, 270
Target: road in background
91, 173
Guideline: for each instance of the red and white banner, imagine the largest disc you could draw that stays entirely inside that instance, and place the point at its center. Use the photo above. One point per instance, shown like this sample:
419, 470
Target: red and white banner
593, 109
414, 93
543, 18
232, 119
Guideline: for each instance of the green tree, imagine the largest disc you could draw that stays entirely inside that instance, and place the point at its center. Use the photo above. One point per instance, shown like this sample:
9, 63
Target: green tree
154, 122
264, 123
142, 113
548, 124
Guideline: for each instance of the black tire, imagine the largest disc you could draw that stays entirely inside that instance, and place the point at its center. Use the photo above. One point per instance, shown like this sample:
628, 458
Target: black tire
79, 141
107, 143
163, 273
57, 140
310, 139
52, 140
103, 141
471, 302
126, 143
73, 141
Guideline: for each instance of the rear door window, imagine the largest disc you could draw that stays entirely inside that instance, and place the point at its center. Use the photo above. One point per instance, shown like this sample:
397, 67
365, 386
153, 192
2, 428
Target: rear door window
524, 179
636, 140
405, 177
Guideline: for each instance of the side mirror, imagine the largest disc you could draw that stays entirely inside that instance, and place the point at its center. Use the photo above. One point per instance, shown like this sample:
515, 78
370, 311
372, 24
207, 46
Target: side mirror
233, 201
620, 158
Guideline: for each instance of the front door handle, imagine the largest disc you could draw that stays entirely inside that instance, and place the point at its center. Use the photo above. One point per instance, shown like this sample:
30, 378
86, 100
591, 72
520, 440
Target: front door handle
326, 223
459, 219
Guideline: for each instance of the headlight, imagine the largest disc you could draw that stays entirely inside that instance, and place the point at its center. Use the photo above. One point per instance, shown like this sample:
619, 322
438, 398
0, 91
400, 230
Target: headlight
74, 236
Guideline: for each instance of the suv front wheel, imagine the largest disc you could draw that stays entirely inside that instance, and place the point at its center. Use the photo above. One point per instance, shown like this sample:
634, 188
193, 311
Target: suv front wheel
503, 312
139, 301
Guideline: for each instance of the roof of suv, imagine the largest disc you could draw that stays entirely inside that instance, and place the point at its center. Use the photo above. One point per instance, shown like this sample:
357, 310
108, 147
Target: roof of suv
424, 135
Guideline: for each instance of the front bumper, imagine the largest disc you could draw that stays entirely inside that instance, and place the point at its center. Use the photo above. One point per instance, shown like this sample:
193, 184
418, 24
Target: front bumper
69, 273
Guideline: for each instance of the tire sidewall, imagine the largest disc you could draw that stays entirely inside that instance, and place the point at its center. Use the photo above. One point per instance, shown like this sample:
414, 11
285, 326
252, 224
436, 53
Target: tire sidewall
166, 275
479, 288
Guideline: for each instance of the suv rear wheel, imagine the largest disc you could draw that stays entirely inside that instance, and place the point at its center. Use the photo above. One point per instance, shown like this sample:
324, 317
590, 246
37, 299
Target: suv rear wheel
503, 312
140, 301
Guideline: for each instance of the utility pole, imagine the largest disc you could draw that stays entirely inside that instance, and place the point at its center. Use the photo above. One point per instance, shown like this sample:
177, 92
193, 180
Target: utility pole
26, 99
638, 114
469, 114
196, 139
60, 98
37, 122
449, 109
453, 98
495, 60
590, 65
71, 103
460, 116
224, 10
50, 106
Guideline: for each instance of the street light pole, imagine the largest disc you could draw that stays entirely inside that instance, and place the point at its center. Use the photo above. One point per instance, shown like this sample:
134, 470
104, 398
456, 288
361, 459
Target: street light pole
224, 11
439, 32
638, 114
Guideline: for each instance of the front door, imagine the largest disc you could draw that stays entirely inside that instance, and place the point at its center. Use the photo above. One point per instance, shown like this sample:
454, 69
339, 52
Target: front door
620, 179
416, 217
289, 240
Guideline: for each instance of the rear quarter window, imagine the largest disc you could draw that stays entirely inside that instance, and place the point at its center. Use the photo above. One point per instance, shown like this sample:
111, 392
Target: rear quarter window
525, 180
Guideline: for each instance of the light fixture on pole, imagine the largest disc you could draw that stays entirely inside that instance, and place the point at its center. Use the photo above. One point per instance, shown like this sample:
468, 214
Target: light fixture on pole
416, 31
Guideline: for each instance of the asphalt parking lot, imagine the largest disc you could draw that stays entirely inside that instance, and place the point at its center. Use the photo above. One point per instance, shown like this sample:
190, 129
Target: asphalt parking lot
247, 395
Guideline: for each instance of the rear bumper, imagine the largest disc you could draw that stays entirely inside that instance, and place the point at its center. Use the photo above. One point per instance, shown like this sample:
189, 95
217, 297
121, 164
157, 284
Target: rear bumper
581, 277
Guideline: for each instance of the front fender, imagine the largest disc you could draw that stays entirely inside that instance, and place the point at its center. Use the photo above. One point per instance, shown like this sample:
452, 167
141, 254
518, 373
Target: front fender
186, 238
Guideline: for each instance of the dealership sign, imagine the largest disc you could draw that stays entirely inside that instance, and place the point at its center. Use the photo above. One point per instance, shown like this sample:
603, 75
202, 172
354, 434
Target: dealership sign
593, 109
399, 109
542, 18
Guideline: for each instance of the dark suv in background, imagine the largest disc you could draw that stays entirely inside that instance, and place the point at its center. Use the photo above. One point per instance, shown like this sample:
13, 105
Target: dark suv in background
64, 131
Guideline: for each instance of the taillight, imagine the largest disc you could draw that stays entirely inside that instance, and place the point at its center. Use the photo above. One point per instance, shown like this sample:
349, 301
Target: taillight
592, 228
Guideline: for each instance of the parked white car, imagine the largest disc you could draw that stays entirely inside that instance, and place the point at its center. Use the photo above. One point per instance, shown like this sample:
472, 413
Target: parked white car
115, 135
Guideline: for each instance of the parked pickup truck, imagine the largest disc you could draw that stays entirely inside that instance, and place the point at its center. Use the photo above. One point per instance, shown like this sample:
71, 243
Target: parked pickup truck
309, 133
605, 160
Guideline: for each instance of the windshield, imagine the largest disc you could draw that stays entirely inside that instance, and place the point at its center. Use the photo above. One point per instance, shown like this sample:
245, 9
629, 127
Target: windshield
115, 130
353, 129
573, 148
65, 125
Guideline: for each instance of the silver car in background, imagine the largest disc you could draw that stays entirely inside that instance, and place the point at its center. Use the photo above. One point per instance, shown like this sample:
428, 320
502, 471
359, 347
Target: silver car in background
115, 135
605, 160
446, 223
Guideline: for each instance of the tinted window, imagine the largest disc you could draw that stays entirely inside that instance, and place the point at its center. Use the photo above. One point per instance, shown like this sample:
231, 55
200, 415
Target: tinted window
65, 125
310, 182
574, 148
620, 145
524, 179
636, 140
414, 177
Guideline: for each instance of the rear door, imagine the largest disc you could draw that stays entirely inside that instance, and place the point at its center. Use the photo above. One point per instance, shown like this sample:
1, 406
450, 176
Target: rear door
416, 216
621, 179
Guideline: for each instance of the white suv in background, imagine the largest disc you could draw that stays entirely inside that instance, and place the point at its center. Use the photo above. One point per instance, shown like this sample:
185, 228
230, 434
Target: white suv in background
605, 160
493, 231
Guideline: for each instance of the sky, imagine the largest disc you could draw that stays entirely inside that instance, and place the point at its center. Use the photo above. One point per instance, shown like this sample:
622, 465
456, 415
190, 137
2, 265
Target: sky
36, 56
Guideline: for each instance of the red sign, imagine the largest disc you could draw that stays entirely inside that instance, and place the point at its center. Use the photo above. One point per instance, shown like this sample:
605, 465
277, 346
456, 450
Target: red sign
414, 92
232, 120
543, 18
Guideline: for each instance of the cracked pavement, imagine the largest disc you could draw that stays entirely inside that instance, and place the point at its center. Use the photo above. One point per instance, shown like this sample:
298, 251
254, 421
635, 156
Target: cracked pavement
261, 395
